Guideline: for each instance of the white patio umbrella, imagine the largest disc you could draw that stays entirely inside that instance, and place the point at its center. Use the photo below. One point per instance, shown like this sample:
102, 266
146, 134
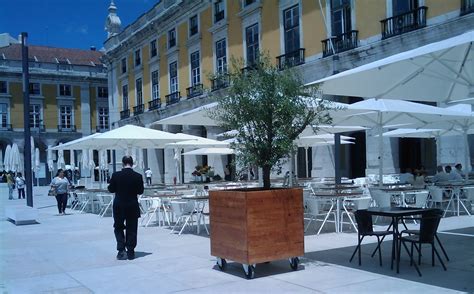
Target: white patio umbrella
91, 165
210, 151
78, 144
198, 142
37, 165
32, 145
440, 71
177, 163
380, 113
72, 159
60, 162
15, 160
50, 159
6, 158
308, 141
84, 159
196, 116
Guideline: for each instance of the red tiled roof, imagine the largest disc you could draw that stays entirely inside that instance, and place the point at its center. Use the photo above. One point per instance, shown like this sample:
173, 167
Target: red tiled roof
49, 54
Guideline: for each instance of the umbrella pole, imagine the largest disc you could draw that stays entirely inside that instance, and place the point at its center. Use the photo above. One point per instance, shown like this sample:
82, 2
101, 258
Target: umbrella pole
467, 166
380, 151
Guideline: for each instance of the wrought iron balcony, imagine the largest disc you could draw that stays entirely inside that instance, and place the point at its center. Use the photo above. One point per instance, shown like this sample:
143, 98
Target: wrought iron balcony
220, 82
138, 109
194, 91
154, 104
340, 43
173, 98
6, 127
218, 16
291, 59
101, 129
406, 22
125, 114
67, 129
37, 127
467, 6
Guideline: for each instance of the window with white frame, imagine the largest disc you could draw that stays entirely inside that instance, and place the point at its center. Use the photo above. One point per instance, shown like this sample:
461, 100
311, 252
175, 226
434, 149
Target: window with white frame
124, 97
251, 39
65, 116
3, 115
139, 90
65, 90
219, 10
193, 25
103, 117
3, 87
124, 65
195, 68
173, 77
138, 58
35, 115
291, 24
35, 89
172, 38
340, 17
221, 56
155, 85
153, 49
102, 92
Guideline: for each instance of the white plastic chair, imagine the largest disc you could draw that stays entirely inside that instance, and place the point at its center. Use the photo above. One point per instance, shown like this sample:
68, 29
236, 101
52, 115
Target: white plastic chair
421, 199
312, 209
352, 204
381, 199
152, 209
184, 212
105, 202
436, 196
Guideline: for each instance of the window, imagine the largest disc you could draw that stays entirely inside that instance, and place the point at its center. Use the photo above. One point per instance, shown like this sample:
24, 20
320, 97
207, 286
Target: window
291, 25
102, 92
171, 38
35, 115
221, 56
3, 115
125, 97
248, 2
65, 90
103, 117
155, 88
35, 89
65, 116
138, 87
402, 6
3, 87
195, 69
251, 38
174, 77
153, 50
340, 17
138, 59
124, 65
219, 13
193, 25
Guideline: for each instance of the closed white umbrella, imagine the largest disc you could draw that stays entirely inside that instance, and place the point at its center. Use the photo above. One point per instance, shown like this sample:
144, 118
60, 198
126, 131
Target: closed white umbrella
60, 162
84, 159
37, 160
91, 159
6, 158
50, 159
72, 159
15, 160
177, 163
33, 154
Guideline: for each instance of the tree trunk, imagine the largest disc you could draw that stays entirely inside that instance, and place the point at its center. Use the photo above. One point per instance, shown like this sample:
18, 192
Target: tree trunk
266, 176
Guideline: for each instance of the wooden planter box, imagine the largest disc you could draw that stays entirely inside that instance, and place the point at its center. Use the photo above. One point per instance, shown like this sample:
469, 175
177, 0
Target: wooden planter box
252, 226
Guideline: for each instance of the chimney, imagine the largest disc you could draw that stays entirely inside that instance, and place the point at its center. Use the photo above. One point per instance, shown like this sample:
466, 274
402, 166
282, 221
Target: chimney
92, 48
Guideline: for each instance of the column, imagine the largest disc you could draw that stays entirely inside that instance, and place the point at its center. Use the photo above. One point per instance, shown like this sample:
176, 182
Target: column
390, 154
323, 161
190, 162
85, 110
218, 162
169, 162
156, 162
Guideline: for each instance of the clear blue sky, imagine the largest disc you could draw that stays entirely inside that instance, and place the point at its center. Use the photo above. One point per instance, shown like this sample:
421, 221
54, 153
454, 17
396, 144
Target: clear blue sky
66, 23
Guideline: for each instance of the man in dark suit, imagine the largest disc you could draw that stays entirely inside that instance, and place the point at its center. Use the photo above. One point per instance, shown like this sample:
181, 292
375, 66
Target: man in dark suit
126, 184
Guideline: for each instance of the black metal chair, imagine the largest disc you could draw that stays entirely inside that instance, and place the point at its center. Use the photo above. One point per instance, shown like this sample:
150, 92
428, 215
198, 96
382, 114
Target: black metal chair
365, 228
429, 223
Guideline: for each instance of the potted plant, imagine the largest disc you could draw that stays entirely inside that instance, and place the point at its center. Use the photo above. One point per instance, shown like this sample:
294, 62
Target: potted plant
268, 108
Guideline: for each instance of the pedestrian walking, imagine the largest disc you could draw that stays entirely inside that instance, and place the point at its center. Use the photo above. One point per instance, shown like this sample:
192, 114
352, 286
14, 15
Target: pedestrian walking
11, 186
61, 184
148, 174
20, 185
127, 185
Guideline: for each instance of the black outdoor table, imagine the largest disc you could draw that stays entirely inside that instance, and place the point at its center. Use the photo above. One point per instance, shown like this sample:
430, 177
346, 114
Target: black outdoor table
397, 213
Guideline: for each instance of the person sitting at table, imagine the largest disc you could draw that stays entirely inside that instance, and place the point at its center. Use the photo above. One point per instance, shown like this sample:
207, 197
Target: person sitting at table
441, 175
407, 177
458, 169
452, 175
419, 181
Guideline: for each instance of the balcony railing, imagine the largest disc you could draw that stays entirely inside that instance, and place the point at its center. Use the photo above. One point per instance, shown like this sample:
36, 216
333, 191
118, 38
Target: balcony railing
37, 127
220, 82
67, 129
101, 129
194, 91
173, 98
125, 114
6, 127
340, 43
138, 109
403, 23
291, 59
218, 16
467, 6
154, 104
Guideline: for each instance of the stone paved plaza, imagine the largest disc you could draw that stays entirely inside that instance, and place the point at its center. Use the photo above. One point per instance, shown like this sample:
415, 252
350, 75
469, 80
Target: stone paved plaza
76, 254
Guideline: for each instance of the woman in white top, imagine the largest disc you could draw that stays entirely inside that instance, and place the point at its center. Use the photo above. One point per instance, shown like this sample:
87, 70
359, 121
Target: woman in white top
61, 184
20, 185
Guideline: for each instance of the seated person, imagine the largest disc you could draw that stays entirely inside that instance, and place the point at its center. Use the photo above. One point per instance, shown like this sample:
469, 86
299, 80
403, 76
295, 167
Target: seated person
419, 180
406, 177
458, 169
452, 175
440, 175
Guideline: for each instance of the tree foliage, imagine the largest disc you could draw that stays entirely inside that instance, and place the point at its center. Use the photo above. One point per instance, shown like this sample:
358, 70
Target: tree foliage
269, 108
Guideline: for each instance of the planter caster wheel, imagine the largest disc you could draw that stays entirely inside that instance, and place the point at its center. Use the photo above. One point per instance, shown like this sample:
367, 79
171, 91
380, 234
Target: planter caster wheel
294, 261
249, 271
222, 264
